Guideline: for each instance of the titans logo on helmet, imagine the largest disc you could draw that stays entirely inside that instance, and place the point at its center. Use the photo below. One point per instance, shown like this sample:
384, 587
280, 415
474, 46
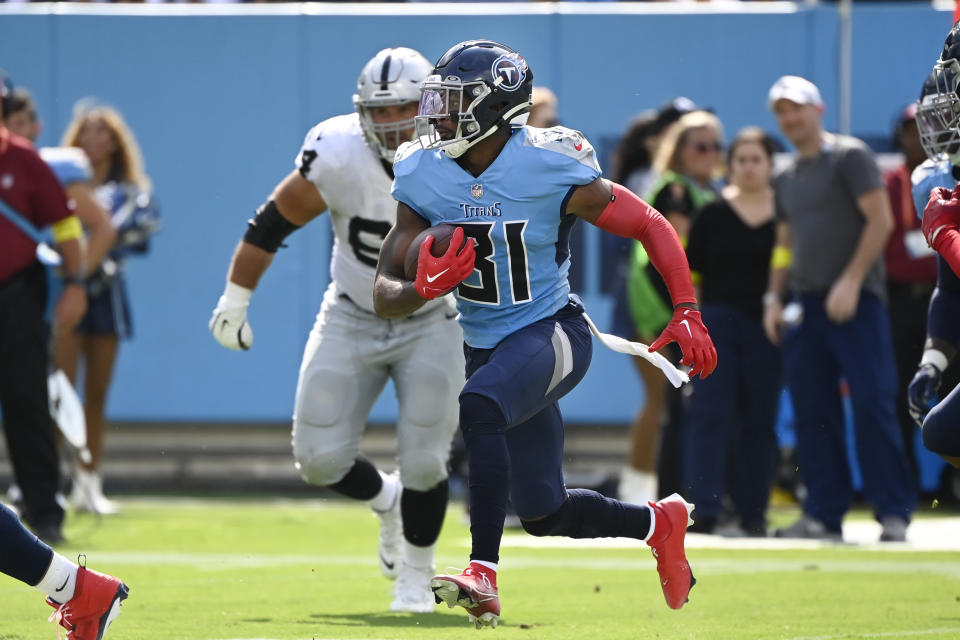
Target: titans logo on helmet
511, 69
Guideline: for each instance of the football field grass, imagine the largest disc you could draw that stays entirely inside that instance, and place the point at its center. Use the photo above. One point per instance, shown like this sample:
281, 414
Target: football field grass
204, 569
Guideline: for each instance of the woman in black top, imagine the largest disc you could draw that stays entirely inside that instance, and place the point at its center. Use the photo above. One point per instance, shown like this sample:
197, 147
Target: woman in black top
731, 415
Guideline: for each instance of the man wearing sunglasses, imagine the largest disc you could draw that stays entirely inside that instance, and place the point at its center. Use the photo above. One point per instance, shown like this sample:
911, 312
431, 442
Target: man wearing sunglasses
834, 220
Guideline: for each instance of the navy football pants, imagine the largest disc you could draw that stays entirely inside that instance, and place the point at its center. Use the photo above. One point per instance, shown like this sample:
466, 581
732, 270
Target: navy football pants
817, 354
731, 416
524, 376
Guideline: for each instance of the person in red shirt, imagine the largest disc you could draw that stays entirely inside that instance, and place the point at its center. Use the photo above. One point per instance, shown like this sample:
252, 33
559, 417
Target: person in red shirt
29, 188
911, 268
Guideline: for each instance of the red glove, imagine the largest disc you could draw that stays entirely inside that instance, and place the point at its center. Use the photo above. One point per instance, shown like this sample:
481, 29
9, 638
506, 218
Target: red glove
941, 213
437, 276
686, 328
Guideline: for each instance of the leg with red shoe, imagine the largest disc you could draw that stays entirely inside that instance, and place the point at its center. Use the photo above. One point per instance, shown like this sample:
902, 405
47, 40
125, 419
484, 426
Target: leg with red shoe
86, 601
531, 453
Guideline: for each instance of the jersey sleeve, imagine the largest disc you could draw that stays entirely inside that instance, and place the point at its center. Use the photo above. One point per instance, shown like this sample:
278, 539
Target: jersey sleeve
572, 159
860, 171
405, 181
927, 176
69, 164
306, 160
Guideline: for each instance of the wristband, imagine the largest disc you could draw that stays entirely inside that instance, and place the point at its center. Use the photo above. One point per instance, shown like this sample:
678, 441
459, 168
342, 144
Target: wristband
935, 357
237, 295
781, 257
74, 278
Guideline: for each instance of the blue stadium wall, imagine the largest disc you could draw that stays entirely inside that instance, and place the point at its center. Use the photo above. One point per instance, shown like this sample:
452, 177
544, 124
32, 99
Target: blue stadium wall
220, 102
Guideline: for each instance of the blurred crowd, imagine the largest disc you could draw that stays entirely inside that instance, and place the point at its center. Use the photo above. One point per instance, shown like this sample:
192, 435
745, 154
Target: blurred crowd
847, 329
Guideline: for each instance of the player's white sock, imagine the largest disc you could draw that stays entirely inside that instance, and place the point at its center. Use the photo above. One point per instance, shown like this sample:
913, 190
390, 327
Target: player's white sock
419, 557
483, 563
653, 523
60, 580
389, 493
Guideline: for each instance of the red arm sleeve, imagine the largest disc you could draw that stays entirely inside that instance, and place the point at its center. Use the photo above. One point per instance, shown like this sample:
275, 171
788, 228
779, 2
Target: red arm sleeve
630, 217
948, 246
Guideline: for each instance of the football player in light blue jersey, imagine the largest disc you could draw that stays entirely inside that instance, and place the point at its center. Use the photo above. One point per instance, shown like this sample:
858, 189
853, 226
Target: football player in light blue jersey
513, 193
938, 120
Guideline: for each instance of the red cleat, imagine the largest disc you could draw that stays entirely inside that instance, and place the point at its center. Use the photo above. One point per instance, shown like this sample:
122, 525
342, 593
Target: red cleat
672, 517
95, 604
475, 589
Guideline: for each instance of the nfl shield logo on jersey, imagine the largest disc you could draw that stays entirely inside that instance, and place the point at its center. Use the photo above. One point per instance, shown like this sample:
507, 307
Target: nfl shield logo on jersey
477, 191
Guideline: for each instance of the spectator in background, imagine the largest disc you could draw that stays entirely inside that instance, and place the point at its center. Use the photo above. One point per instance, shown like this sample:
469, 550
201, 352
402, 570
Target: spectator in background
688, 161
911, 268
543, 112
834, 219
72, 169
123, 188
30, 194
730, 415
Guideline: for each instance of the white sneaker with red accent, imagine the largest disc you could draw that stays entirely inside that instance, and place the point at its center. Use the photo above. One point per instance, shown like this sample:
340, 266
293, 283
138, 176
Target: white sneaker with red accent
671, 519
474, 589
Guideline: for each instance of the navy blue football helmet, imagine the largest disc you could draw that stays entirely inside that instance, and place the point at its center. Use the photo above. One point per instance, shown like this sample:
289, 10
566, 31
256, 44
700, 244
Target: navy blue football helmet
951, 44
938, 111
476, 87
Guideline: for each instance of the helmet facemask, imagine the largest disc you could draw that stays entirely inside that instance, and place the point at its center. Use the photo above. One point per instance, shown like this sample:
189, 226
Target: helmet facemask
384, 137
390, 78
461, 103
938, 112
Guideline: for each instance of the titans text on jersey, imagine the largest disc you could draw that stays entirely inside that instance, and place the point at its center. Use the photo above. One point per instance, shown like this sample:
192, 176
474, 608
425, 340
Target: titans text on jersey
515, 214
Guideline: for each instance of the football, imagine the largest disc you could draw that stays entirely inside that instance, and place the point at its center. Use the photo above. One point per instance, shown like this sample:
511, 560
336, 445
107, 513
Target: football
441, 241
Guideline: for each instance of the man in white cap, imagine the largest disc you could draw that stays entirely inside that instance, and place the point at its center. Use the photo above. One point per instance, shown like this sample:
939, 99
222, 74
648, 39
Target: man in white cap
834, 220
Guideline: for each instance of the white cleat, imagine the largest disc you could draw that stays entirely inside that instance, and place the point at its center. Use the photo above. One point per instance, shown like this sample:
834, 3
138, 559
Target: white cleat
391, 536
411, 592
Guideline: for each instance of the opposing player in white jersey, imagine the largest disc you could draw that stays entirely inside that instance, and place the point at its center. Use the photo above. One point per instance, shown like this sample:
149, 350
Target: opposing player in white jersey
346, 166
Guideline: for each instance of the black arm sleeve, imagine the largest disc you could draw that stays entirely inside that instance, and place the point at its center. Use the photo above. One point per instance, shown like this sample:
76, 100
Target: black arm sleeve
268, 228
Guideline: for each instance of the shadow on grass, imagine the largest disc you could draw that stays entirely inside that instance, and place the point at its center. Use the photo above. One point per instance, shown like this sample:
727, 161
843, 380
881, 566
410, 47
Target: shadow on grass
406, 620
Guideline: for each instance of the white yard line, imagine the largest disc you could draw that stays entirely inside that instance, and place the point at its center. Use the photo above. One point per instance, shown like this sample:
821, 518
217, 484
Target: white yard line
642, 561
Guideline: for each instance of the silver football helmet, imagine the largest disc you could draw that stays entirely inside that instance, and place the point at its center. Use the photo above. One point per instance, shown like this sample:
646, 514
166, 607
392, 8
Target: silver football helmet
391, 77
938, 112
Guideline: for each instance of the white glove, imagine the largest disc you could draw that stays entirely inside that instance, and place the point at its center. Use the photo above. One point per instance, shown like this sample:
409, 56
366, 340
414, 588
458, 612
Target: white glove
229, 321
